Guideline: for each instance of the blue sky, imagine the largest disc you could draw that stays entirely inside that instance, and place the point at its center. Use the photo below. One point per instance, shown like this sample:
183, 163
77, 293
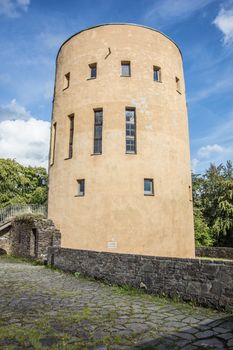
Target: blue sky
31, 32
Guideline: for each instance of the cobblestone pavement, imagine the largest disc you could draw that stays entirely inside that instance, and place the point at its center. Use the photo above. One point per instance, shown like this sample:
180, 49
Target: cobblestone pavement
46, 309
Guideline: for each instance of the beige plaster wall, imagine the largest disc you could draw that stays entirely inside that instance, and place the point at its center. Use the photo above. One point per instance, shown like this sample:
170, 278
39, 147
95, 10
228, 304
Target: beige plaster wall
114, 208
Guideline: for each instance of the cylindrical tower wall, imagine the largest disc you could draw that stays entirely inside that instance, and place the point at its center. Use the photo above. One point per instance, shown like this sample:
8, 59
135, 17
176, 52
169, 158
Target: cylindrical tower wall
114, 214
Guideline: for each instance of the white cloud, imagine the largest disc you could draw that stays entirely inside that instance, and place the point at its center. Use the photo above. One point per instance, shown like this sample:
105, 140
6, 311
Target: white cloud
166, 11
27, 141
194, 163
13, 111
13, 8
224, 22
206, 151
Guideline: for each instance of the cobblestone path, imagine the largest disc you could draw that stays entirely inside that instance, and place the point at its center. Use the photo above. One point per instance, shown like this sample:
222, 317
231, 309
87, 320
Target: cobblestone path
46, 309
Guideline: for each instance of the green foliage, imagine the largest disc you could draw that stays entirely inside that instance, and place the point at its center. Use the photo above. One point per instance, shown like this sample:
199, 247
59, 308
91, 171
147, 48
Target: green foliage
20, 184
213, 206
202, 232
27, 218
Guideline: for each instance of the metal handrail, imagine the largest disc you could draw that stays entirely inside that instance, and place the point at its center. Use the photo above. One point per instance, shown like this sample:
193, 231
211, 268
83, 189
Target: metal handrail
9, 212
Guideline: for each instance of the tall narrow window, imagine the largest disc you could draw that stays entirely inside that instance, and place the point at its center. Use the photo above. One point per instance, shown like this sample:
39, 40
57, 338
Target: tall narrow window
178, 85
53, 143
148, 187
71, 135
81, 187
66, 81
98, 131
93, 70
157, 73
130, 122
125, 69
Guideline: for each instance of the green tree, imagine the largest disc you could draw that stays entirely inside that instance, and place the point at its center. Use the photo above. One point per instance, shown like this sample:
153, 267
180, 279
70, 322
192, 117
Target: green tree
21, 184
213, 205
202, 232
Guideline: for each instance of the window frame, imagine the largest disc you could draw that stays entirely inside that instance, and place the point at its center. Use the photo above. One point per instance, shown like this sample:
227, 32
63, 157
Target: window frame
159, 75
91, 67
80, 182
130, 137
97, 126
71, 136
125, 63
151, 192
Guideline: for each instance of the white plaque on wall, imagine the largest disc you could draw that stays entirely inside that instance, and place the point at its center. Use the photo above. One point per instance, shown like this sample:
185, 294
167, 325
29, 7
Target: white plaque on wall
112, 245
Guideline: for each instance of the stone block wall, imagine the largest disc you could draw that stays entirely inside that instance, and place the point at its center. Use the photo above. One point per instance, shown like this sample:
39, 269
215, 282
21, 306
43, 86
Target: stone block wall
4, 243
30, 238
215, 252
208, 283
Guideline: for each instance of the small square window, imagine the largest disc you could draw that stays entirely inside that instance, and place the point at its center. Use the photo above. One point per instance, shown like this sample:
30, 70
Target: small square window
178, 85
125, 69
93, 70
66, 81
81, 187
157, 73
148, 187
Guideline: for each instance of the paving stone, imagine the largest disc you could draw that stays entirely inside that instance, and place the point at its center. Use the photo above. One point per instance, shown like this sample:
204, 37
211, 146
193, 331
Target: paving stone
206, 334
186, 336
226, 336
65, 311
210, 343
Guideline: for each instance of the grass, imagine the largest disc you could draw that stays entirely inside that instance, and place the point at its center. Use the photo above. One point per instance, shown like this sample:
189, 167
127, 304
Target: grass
18, 260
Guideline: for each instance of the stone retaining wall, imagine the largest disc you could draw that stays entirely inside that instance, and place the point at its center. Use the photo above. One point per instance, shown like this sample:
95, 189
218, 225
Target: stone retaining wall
215, 252
208, 283
5, 243
30, 237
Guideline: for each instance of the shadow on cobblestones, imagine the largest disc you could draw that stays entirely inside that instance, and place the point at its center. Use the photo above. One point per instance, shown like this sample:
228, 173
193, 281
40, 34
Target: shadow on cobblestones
217, 334
43, 309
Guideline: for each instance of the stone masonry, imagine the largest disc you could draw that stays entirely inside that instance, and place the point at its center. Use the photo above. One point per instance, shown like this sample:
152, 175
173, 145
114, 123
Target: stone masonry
205, 282
44, 309
215, 252
30, 238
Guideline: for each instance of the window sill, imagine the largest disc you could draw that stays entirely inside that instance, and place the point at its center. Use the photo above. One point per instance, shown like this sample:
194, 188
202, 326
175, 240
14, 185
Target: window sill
91, 78
68, 158
96, 154
125, 76
158, 81
130, 152
149, 194
79, 195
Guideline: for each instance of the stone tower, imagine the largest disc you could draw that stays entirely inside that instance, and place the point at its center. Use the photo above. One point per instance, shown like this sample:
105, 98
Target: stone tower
119, 175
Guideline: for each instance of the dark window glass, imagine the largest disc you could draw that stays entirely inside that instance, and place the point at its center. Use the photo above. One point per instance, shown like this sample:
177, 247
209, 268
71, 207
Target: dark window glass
157, 73
148, 187
130, 131
125, 69
81, 187
98, 132
93, 70
71, 137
